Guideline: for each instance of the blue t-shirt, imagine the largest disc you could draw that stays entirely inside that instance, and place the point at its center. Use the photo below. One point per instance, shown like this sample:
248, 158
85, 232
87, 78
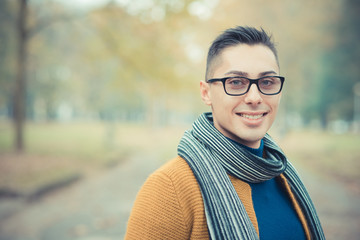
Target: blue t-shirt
276, 216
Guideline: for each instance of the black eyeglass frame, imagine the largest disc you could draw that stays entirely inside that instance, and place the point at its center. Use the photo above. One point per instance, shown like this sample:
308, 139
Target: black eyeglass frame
252, 81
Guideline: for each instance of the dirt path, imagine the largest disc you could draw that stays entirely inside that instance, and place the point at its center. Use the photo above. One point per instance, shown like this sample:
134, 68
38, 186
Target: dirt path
337, 207
97, 208
94, 208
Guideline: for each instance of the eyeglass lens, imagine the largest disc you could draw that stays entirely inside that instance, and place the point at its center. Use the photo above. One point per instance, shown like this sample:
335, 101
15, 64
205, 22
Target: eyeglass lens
239, 85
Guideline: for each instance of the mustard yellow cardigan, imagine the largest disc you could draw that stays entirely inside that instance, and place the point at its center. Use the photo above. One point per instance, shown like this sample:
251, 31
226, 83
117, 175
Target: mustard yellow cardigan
170, 205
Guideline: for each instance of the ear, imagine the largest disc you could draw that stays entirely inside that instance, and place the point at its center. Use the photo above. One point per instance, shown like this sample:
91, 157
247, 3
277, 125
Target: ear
205, 93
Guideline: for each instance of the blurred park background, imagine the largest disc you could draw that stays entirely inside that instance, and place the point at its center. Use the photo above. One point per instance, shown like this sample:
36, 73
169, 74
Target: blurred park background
89, 86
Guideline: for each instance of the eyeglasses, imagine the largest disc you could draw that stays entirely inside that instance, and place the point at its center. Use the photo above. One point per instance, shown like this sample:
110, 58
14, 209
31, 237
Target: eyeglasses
237, 86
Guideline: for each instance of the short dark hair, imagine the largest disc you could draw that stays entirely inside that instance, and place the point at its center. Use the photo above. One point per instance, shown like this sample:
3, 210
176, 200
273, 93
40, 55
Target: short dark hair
235, 36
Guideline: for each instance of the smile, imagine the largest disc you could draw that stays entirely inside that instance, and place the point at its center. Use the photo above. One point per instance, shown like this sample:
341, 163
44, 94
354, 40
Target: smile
252, 116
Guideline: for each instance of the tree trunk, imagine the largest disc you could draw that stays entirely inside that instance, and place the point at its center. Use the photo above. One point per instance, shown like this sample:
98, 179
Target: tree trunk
20, 86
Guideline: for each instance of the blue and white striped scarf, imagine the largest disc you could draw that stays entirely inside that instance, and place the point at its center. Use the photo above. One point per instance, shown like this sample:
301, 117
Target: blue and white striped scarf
212, 157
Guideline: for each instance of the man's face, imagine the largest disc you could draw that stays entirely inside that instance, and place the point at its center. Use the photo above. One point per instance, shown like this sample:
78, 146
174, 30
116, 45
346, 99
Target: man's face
248, 117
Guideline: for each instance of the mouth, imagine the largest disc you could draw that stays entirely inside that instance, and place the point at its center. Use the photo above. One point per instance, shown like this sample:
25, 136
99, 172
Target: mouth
254, 116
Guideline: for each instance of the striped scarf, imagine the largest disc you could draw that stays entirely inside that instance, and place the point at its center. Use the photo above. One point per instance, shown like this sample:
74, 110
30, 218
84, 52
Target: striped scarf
212, 157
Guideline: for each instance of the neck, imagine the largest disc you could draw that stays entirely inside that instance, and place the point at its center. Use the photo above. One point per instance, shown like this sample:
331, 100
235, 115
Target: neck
257, 151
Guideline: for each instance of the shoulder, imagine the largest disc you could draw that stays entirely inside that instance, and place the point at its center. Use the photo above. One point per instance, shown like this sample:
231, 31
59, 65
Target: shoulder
174, 169
174, 179
177, 176
167, 203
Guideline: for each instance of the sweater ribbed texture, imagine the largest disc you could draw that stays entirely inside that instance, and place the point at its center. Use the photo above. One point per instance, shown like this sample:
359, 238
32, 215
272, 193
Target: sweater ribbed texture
170, 205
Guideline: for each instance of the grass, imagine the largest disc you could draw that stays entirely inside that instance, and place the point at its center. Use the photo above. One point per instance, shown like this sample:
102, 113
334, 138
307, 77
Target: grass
57, 150
82, 141
325, 153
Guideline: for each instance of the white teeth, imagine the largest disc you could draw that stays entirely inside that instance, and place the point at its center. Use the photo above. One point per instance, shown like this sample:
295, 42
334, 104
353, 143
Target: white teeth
252, 116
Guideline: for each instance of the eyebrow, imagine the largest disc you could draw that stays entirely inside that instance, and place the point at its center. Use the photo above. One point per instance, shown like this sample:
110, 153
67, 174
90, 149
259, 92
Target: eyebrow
245, 74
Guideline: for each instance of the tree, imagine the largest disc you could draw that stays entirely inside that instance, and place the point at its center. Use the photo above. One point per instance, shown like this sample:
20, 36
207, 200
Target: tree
7, 59
341, 68
20, 86
25, 32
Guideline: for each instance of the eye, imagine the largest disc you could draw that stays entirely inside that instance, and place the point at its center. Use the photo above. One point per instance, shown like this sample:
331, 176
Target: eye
237, 82
269, 82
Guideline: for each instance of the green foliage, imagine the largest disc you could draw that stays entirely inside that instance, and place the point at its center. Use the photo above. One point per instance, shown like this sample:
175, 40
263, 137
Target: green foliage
7, 51
341, 68
136, 59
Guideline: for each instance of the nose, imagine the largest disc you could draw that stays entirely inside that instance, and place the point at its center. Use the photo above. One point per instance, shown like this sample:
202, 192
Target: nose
253, 96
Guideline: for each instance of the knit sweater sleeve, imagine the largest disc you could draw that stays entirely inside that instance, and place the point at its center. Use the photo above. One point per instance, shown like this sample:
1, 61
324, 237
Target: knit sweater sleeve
157, 213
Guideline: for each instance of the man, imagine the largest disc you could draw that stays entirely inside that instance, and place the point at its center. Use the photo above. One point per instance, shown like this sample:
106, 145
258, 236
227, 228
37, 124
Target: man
230, 180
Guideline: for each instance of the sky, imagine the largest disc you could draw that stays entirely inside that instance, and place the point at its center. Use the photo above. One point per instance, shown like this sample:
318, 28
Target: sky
85, 4
200, 8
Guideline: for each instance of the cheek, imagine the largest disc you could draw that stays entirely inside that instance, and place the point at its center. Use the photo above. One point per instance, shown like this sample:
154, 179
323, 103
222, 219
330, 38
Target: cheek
278, 100
224, 103
274, 104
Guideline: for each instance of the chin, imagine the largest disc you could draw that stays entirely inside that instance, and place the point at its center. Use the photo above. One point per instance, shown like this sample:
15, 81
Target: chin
250, 137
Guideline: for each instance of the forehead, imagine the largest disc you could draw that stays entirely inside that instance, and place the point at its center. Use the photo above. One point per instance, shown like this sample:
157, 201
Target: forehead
250, 59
